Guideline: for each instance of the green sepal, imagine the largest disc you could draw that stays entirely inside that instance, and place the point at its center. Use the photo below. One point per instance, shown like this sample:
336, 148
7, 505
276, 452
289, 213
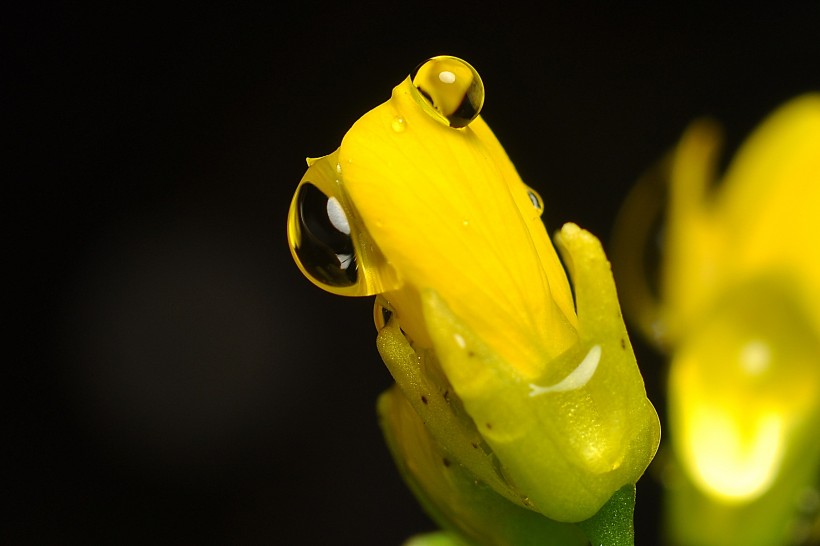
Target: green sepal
613, 524
428, 392
492, 458
471, 511
570, 438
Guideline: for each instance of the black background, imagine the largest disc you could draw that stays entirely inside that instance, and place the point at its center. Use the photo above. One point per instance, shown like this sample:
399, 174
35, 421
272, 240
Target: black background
172, 377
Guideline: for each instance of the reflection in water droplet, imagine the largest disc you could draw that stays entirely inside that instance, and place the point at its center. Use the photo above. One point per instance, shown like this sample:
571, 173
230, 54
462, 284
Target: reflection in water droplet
447, 77
536, 200
323, 244
398, 124
337, 216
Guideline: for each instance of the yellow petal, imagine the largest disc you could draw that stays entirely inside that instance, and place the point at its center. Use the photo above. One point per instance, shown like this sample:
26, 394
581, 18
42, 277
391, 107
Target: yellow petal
448, 211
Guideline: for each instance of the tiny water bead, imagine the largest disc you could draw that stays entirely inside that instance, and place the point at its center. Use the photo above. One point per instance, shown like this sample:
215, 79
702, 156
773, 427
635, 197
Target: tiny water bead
398, 124
450, 88
536, 200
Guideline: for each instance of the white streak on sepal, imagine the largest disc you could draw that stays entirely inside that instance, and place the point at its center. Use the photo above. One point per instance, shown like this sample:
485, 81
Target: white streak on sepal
579, 377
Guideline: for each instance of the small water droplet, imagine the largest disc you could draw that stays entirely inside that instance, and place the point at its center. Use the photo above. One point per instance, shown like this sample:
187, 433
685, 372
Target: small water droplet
398, 124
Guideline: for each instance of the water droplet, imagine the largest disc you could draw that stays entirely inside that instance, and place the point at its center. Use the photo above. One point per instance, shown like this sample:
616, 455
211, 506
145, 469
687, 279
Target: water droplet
398, 124
322, 242
450, 90
536, 200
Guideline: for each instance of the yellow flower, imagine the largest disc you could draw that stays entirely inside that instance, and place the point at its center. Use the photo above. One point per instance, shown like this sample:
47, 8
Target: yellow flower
739, 312
501, 373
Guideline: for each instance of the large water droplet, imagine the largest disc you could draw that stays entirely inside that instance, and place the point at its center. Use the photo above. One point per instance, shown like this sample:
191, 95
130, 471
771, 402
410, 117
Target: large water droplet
451, 89
324, 246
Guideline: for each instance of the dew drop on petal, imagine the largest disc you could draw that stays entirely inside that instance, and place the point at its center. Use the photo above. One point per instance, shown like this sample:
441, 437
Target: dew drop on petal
449, 89
398, 124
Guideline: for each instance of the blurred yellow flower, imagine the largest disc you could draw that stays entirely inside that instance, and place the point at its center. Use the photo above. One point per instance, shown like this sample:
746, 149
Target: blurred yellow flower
738, 310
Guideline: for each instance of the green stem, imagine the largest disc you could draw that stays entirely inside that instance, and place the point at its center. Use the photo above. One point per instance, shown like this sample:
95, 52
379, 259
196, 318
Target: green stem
612, 525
